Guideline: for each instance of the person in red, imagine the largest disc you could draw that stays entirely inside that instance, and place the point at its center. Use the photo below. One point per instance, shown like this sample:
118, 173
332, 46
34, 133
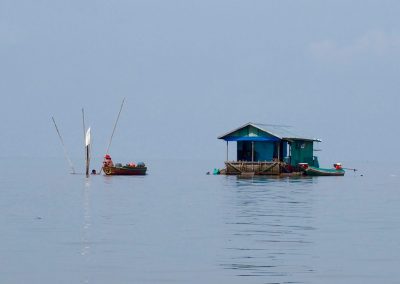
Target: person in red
338, 166
108, 161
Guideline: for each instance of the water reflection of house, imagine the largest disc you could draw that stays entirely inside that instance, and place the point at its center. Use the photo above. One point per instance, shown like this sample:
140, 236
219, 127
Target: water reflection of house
264, 149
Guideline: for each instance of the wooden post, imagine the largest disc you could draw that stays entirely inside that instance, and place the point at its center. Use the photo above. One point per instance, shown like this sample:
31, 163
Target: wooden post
87, 160
64, 148
252, 151
84, 142
252, 154
227, 151
87, 150
279, 155
279, 150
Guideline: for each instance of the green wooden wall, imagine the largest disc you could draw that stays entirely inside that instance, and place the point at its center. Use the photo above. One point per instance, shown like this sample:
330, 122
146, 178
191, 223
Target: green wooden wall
302, 152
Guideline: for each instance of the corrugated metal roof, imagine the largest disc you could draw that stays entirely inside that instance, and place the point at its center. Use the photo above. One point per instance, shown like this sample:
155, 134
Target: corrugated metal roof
279, 131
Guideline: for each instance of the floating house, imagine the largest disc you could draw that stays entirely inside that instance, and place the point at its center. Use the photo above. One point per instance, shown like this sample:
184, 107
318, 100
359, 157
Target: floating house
264, 149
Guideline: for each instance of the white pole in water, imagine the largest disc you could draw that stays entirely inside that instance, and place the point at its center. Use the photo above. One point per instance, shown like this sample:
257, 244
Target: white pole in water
87, 161
64, 148
87, 147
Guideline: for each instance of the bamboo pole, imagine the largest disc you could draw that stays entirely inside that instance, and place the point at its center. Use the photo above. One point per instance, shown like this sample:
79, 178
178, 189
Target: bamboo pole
86, 151
87, 160
64, 148
87, 148
115, 126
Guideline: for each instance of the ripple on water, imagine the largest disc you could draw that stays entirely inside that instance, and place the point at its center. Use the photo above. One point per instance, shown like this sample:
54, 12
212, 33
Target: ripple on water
268, 225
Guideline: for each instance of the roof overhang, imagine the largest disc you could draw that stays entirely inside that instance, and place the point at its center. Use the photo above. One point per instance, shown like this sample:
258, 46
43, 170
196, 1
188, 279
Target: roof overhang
251, 139
276, 137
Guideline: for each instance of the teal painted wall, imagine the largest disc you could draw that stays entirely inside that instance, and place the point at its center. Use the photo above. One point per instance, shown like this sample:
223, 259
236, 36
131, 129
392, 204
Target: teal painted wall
284, 149
302, 152
263, 151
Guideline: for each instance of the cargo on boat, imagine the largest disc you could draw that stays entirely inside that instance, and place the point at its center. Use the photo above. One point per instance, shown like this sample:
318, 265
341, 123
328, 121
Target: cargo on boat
265, 149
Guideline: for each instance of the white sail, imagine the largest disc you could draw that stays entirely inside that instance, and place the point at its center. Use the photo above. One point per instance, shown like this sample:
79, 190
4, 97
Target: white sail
88, 137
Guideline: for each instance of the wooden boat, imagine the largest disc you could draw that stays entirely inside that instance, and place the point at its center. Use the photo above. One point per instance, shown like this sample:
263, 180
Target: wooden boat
313, 171
125, 170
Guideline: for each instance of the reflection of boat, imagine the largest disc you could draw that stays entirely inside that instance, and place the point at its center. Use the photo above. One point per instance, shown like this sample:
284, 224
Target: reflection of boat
127, 170
313, 171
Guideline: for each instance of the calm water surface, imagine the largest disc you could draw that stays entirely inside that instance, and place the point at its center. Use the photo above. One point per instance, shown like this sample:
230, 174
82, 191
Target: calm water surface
178, 225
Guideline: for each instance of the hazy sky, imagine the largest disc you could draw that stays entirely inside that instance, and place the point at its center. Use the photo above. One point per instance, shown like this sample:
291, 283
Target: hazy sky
192, 70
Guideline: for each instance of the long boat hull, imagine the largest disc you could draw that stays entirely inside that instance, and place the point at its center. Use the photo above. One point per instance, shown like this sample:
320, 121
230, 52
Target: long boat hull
125, 171
313, 171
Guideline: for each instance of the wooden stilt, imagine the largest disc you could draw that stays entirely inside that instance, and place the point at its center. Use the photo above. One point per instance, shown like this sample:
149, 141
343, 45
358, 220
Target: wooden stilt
252, 154
279, 155
227, 151
279, 151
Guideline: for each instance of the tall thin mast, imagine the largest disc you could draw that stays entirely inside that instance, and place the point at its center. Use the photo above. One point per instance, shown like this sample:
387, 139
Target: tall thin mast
115, 126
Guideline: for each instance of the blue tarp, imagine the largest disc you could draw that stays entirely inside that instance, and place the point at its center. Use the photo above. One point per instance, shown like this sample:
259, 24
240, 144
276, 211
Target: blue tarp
254, 139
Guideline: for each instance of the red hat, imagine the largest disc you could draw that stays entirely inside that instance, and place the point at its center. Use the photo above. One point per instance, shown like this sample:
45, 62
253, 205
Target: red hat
107, 156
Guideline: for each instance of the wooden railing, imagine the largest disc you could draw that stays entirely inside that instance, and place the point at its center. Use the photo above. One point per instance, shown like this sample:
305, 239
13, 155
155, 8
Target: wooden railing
256, 168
